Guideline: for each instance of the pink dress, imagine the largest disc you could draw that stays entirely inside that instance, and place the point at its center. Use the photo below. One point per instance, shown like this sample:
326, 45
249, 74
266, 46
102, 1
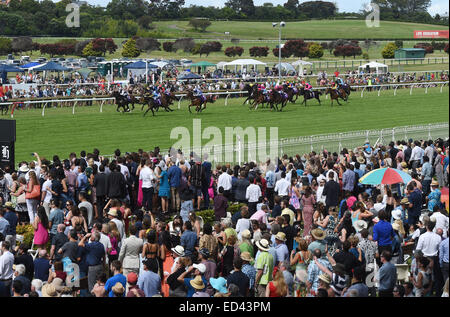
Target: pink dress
308, 212
40, 235
140, 196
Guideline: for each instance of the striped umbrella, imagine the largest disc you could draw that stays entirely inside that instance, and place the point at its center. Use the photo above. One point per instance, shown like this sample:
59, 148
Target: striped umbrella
385, 176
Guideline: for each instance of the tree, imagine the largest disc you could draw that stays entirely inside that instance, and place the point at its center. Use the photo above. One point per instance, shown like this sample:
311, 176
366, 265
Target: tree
347, 50
89, 50
426, 46
5, 46
297, 48
246, 7
315, 51
259, 51
22, 44
233, 51
145, 22
130, 49
79, 47
201, 24
168, 46
317, 9
186, 44
389, 50
285, 53
103, 46
438, 45
292, 5
148, 44
399, 43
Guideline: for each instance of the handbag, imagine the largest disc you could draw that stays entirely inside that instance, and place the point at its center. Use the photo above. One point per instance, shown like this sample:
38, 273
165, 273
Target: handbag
35, 193
21, 199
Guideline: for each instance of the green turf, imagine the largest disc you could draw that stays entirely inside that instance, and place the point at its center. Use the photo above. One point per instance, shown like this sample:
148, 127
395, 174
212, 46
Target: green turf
60, 132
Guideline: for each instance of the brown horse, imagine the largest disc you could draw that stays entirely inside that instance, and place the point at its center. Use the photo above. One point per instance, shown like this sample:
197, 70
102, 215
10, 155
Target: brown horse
167, 99
335, 96
198, 102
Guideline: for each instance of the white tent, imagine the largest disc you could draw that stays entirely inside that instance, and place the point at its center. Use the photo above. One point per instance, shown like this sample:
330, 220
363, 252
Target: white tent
160, 64
301, 65
243, 63
286, 68
373, 67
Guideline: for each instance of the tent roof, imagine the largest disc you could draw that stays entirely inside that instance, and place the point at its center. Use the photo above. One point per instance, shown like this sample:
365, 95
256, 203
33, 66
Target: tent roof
140, 65
160, 64
9, 69
242, 62
286, 66
51, 66
84, 72
189, 75
203, 64
301, 62
29, 65
373, 65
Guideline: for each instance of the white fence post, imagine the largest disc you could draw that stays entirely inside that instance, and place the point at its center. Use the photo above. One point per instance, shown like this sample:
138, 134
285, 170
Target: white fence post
73, 109
410, 91
226, 101
379, 91
362, 92
43, 109
179, 102
395, 90
426, 89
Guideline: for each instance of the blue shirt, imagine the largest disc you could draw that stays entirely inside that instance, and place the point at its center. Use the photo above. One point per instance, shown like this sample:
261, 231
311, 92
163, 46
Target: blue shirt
41, 269
4, 226
250, 271
174, 174
363, 290
119, 278
388, 276
270, 179
82, 181
427, 171
443, 252
95, 253
282, 252
383, 233
188, 241
56, 218
150, 283
416, 199
12, 219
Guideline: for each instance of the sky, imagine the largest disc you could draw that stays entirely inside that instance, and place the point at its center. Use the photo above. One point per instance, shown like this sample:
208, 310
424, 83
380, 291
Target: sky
437, 6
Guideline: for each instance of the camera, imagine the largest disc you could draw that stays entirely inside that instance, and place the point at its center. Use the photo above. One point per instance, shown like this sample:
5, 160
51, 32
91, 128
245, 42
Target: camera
282, 24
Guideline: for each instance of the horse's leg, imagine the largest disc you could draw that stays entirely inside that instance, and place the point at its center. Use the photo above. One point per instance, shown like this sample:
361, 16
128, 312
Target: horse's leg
189, 108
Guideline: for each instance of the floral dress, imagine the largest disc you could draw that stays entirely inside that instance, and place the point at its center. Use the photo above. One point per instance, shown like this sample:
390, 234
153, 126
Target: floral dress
434, 199
294, 199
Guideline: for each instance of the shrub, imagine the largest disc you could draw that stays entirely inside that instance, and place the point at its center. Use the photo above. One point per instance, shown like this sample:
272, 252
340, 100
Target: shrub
130, 49
233, 51
89, 50
389, 50
167, 46
315, 51
259, 51
185, 44
365, 56
399, 44
426, 46
5, 46
297, 48
148, 44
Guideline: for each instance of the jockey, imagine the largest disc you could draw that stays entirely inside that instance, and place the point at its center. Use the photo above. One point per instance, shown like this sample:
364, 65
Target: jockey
198, 92
340, 82
156, 95
335, 86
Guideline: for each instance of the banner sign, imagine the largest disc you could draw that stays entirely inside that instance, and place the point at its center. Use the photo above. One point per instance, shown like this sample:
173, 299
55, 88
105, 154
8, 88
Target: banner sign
434, 34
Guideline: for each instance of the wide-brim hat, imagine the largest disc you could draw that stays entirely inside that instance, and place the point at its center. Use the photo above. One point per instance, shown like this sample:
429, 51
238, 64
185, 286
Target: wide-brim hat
58, 284
361, 160
405, 201
49, 290
118, 288
24, 168
280, 236
246, 234
359, 225
396, 226
178, 250
434, 183
325, 278
246, 256
263, 245
9, 205
397, 214
219, 284
404, 164
318, 234
112, 212
197, 283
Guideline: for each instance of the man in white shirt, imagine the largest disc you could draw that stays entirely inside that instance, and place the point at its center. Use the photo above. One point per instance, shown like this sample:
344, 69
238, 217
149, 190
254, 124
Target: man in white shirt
441, 222
6, 265
282, 186
225, 181
253, 193
148, 179
416, 155
429, 241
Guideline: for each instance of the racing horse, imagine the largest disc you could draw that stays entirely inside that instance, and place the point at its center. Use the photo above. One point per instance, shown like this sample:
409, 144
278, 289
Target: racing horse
278, 98
335, 96
151, 103
121, 101
252, 90
292, 92
199, 102
167, 99
310, 95
347, 90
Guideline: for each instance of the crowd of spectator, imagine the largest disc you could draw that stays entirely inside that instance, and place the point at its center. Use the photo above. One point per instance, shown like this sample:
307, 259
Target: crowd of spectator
137, 225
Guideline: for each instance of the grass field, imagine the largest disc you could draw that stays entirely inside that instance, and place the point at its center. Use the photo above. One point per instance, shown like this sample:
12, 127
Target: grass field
60, 132
315, 29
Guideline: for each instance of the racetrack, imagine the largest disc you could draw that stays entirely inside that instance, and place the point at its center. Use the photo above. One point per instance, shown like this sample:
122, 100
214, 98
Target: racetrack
60, 132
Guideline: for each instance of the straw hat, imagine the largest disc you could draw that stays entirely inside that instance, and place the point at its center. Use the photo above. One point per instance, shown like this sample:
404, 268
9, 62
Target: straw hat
58, 284
325, 278
404, 164
178, 250
318, 234
434, 183
246, 234
396, 226
280, 236
49, 290
112, 212
405, 201
361, 160
246, 256
197, 283
359, 225
263, 245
